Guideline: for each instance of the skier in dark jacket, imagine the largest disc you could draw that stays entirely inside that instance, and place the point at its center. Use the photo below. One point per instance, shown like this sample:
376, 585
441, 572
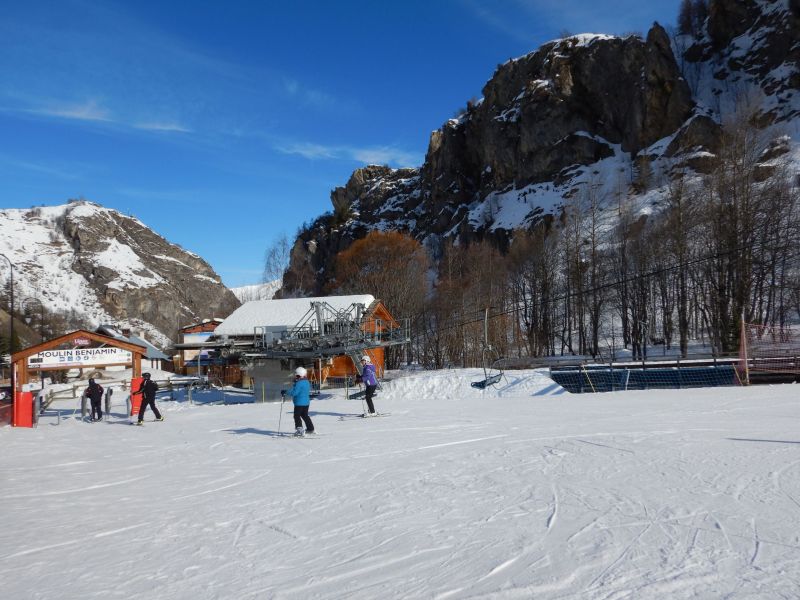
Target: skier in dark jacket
370, 381
95, 394
148, 391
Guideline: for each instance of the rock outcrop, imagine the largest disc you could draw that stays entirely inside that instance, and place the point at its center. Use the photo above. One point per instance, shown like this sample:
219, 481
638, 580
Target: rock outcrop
586, 111
752, 49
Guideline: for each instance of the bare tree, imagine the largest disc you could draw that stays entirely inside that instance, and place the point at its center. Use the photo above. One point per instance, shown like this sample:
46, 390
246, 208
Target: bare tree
699, 15
533, 282
686, 20
678, 222
276, 259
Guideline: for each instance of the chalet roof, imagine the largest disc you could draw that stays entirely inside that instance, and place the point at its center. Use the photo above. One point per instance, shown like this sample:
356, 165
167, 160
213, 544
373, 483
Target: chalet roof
280, 314
153, 353
69, 337
214, 321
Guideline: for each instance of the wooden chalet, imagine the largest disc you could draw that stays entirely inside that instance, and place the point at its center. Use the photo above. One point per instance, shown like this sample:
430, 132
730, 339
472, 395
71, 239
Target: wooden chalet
279, 335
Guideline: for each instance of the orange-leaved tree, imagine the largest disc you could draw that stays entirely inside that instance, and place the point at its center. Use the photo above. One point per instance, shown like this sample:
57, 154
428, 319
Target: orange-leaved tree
391, 266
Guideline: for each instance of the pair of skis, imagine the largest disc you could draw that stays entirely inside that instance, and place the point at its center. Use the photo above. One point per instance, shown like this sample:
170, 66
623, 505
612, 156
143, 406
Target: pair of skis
363, 416
309, 436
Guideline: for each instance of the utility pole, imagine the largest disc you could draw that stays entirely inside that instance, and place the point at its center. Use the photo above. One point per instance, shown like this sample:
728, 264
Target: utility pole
11, 332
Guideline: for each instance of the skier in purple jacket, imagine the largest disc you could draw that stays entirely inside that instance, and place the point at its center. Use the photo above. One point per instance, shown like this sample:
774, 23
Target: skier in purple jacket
370, 381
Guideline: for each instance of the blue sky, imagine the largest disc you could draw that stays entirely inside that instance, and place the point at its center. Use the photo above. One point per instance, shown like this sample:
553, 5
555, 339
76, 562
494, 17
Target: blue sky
222, 125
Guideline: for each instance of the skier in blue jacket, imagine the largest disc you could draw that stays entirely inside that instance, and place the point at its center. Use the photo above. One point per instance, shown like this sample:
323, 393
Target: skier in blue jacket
370, 381
299, 393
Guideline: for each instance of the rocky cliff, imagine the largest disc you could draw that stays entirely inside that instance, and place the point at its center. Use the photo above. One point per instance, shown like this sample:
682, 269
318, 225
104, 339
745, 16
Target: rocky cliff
104, 267
748, 48
617, 116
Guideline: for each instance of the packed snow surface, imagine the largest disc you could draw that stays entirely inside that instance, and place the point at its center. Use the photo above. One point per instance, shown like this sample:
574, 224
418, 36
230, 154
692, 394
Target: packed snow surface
521, 491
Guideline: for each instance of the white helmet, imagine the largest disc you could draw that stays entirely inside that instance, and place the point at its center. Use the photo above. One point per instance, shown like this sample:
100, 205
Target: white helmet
366, 359
300, 372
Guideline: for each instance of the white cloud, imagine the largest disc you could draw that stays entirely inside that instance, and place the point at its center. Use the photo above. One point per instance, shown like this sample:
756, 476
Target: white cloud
385, 155
308, 150
86, 111
510, 27
95, 112
163, 126
39, 168
369, 155
307, 95
291, 87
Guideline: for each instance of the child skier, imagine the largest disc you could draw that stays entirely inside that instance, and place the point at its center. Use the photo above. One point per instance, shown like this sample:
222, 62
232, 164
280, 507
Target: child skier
301, 399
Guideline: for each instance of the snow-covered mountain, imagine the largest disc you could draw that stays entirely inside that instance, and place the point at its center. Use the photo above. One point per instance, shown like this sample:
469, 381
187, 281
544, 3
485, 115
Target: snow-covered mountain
259, 291
101, 266
612, 117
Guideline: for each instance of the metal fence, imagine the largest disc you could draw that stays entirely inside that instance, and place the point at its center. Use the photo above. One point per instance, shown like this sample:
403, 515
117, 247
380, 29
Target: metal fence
594, 378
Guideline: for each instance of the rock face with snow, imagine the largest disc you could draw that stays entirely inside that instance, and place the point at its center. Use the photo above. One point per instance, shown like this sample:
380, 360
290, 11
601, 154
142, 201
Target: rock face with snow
751, 47
584, 112
111, 268
259, 291
561, 106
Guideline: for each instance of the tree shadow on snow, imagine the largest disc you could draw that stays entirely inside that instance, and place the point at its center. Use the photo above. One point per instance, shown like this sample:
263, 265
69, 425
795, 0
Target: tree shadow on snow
757, 440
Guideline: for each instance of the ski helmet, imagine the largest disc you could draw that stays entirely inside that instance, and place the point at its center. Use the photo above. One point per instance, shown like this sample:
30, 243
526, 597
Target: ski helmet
300, 372
146, 375
366, 359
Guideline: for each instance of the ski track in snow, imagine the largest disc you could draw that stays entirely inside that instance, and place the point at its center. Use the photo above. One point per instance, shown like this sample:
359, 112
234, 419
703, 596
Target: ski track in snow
72, 490
637, 495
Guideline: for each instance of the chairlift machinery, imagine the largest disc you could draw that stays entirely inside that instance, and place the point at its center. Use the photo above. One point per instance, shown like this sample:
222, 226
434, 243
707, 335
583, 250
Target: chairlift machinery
325, 332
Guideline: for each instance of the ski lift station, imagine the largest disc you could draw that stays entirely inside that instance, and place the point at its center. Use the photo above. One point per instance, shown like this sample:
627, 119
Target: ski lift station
327, 335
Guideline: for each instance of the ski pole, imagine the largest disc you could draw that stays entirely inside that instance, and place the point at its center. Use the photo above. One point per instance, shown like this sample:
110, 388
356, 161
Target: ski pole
363, 403
280, 415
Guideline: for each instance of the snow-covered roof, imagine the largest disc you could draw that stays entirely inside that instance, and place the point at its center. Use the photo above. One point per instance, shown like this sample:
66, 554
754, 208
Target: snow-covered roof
280, 314
152, 353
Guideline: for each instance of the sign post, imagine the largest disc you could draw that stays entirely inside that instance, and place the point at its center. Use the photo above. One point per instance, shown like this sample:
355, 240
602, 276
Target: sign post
136, 399
23, 409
